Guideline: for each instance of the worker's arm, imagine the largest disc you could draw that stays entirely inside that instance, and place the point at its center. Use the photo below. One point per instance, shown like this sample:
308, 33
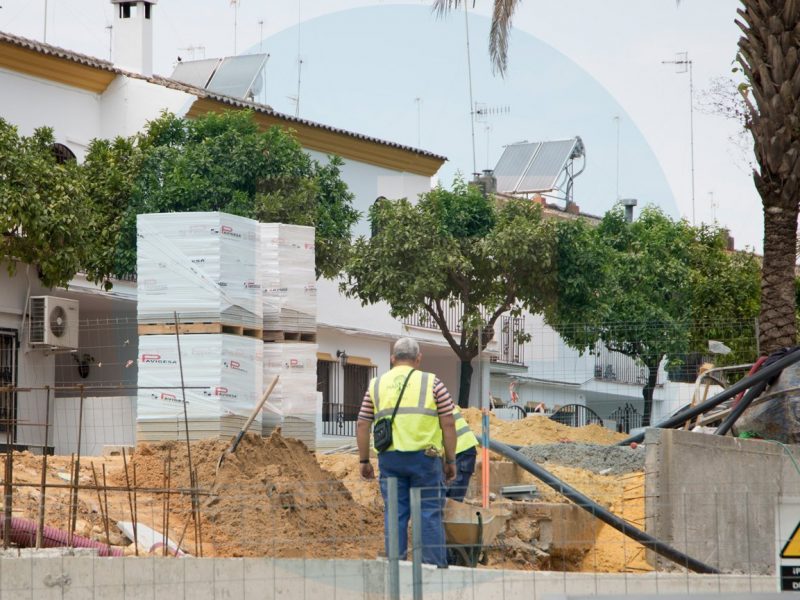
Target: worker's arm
448, 425
363, 430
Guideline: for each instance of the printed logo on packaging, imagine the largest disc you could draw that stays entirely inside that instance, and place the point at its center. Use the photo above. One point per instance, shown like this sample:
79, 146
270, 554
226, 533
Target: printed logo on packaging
252, 285
294, 363
310, 289
229, 231
309, 246
171, 398
234, 365
223, 392
155, 359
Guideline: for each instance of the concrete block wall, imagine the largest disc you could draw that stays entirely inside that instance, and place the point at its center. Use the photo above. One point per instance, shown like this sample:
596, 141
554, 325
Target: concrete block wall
61, 577
714, 497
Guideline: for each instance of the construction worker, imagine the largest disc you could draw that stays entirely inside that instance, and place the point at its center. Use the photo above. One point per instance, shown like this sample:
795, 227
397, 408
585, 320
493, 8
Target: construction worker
466, 453
423, 433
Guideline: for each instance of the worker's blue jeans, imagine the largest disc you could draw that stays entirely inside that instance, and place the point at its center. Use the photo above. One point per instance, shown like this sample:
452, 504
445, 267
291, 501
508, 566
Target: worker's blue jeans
414, 469
465, 467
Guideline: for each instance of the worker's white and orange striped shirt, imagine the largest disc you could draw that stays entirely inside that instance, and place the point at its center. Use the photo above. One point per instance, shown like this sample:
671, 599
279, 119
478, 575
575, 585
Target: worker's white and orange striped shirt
444, 402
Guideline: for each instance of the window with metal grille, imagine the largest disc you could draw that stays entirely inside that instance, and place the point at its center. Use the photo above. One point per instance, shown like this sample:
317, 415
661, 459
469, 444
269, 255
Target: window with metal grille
356, 381
62, 153
328, 384
8, 379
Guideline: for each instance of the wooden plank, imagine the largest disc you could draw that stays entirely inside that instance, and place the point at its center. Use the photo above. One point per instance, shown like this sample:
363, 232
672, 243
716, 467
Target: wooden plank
198, 328
189, 328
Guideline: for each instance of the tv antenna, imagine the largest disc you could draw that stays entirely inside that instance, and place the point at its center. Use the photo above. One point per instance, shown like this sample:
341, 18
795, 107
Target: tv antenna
192, 51
481, 113
235, 5
684, 65
109, 28
418, 102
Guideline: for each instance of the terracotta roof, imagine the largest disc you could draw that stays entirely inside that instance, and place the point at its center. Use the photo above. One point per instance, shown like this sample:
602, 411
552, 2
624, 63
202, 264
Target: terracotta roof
105, 65
50, 50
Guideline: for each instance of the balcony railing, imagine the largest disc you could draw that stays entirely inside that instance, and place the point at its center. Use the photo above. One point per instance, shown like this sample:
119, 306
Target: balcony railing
512, 350
613, 366
452, 315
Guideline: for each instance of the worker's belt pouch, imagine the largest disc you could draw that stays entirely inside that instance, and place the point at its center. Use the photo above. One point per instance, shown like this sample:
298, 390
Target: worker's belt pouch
382, 431
382, 434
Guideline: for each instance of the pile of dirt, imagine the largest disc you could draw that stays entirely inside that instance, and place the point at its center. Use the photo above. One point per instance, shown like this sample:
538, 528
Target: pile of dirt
612, 551
270, 498
539, 429
346, 468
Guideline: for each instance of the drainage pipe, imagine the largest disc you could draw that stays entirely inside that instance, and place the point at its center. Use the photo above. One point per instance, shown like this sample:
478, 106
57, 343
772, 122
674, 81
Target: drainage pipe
763, 374
23, 534
601, 513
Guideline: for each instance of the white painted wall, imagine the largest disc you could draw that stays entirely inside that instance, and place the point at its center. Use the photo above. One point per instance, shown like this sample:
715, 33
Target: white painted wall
78, 116
129, 103
29, 102
368, 182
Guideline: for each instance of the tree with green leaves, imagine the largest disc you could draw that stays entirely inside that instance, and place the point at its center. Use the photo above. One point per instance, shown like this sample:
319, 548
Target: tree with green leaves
455, 251
770, 61
217, 162
651, 289
44, 217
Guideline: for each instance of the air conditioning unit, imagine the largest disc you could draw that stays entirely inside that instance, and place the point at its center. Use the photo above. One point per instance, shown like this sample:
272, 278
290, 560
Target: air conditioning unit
54, 322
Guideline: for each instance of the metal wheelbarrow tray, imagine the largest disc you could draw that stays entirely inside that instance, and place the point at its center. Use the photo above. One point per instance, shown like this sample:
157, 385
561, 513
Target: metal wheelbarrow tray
468, 529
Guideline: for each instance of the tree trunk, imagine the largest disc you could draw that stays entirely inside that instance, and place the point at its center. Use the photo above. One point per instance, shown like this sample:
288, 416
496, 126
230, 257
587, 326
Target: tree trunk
770, 61
464, 383
647, 393
777, 324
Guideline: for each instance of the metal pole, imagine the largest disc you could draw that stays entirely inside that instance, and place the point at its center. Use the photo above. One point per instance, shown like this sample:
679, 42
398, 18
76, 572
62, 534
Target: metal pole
45, 21
471, 104
416, 541
691, 129
393, 536
42, 488
616, 119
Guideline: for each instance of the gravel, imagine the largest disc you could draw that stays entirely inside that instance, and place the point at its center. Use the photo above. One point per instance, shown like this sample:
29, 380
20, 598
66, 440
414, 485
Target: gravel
605, 460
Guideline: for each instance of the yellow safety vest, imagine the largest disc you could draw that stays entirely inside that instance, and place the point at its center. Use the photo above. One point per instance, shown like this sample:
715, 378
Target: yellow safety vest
466, 439
416, 424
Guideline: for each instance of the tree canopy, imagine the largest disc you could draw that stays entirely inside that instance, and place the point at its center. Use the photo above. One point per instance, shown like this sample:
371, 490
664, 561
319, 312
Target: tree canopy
217, 162
44, 219
652, 289
458, 258
770, 62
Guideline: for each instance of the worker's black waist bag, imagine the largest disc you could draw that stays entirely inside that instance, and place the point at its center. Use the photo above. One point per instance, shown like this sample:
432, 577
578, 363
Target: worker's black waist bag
382, 431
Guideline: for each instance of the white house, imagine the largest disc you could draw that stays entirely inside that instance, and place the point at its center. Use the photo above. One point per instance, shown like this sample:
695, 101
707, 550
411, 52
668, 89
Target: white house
81, 98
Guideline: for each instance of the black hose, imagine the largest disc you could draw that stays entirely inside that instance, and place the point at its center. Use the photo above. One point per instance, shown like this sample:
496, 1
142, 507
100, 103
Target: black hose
763, 374
753, 393
587, 504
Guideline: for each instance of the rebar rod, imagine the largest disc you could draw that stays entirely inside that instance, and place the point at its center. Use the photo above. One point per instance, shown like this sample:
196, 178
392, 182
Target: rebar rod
103, 514
130, 501
43, 486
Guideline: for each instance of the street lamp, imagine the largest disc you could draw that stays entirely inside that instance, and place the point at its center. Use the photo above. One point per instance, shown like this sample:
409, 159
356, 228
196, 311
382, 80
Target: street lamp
684, 65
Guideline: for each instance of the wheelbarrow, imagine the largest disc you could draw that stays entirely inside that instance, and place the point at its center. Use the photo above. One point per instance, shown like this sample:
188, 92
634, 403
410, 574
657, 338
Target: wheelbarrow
469, 530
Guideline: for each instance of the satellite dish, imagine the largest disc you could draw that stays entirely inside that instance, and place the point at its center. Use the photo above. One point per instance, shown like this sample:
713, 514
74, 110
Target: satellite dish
58, 321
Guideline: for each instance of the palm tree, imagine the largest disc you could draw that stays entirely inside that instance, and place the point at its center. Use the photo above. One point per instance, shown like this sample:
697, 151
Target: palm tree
769, 54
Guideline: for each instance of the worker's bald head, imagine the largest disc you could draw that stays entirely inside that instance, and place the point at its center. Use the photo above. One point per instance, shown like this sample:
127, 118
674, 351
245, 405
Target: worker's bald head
405, 350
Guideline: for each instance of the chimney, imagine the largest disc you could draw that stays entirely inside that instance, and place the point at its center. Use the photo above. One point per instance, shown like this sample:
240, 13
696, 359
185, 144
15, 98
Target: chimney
629, 203
486, 181
133, 35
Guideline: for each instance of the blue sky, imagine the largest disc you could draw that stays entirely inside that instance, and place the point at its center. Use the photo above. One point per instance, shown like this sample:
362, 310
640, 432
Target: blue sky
574, 64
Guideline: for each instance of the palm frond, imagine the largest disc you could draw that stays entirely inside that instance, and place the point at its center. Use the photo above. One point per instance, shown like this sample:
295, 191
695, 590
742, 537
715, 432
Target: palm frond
498, 36
442, 7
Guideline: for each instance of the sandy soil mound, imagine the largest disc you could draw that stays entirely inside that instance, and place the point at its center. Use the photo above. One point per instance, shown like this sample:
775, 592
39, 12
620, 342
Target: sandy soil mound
539, 429
270, 498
